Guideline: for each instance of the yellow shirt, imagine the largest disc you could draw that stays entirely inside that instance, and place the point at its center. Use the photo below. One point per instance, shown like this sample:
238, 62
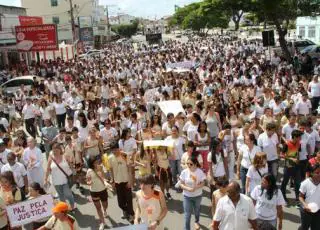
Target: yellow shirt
120, 169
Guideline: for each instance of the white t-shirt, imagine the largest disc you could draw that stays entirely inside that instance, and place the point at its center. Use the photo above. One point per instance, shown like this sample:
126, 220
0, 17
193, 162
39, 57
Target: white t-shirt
255, 178
128, 146
303, 153
269, 145
313, 139
103, 113
267, 209
28, 111
287, 130
191, 131
18, 170
191, 179
218, 169
177, 146
108, 134
60, 108
247, 155
303, 107
234, 217
315, 89
310, 191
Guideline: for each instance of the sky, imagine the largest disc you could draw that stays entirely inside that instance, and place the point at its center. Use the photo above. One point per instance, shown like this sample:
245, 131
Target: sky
140, 8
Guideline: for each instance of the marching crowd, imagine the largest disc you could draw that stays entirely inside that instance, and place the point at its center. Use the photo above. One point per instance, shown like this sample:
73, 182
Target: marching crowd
244, 115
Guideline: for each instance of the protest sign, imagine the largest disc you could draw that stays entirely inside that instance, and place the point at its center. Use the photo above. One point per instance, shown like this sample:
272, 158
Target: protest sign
173, 106
158, 143
180, 65
29, 211
133, 227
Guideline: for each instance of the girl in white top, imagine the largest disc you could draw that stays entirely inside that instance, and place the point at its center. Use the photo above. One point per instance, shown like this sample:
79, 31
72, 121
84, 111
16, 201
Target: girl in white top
83, 127
128, 147
98, 191
151, 205
268, 201
163, 170
246, 156
60, 170
256, 171
192, 181
202, 141
91, 144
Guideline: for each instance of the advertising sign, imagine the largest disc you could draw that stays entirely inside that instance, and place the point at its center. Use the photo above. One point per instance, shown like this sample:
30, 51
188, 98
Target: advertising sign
86, 34
85, 21
37, 38
29, 211
30, 20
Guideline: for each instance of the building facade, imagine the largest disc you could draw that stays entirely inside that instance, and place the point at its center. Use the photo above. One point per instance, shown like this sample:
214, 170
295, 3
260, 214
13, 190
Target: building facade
58, 12
309, 28
8, 20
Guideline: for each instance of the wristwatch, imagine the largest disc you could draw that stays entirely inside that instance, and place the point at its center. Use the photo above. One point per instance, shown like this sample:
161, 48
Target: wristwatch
158, 222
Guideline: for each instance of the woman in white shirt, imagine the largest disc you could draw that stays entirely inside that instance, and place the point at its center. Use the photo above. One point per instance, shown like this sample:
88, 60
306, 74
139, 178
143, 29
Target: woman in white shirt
256, 171
98, 191
128, 146
218, 164
191, 127
268, 201
60, 171
60, 111
192, 181
245, 158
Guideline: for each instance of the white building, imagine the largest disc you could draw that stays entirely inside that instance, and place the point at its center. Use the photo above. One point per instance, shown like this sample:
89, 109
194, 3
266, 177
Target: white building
309, 28
58, 12
8, 20
121, 19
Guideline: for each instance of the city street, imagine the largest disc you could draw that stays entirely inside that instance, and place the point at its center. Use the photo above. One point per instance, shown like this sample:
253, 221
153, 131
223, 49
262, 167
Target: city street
87, 217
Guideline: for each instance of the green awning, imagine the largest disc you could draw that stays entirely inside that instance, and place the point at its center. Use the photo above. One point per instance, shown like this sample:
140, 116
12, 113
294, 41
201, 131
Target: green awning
7, 41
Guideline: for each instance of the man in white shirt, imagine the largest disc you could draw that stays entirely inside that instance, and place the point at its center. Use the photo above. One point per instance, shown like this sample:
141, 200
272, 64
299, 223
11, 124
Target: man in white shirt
3, 154
314, 89
108, 134
234, 211
29, 115
19, 172
289, 127
303, 107
269, 143
103, 112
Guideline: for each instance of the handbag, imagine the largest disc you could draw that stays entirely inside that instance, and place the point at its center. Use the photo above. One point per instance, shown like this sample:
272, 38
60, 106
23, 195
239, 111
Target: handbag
69, 177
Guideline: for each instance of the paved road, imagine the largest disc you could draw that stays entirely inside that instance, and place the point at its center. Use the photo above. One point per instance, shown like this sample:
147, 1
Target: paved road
88, 219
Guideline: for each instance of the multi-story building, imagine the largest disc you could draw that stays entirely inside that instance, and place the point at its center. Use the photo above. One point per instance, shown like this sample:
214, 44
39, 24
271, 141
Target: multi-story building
121, 19
309, 28
58, 12
8, 20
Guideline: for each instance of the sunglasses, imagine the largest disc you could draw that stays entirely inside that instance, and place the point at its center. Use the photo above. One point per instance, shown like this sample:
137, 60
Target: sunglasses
190, 164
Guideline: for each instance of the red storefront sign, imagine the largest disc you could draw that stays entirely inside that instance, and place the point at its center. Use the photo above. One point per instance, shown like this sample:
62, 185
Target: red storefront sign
30, 21
37, 38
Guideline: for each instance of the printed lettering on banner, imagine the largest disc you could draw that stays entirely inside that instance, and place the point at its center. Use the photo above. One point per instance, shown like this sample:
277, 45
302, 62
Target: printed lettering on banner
29, 211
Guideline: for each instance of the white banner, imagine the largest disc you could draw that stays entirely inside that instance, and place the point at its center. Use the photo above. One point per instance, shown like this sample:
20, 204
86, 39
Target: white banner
133, 227
158, 143
180, 65
31, 210
173, 106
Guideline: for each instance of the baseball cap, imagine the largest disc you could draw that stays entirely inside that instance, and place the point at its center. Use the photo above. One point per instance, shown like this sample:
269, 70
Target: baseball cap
60, 207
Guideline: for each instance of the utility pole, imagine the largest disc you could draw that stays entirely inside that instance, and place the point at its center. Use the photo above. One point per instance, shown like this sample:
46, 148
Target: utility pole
72, 22
108, 22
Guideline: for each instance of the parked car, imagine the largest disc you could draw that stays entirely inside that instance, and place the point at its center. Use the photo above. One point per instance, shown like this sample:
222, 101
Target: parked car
313, 51
90, 54
293, 45
13, 85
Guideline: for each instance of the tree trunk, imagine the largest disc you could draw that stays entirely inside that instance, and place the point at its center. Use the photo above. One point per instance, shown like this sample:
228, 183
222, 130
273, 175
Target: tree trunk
283, 44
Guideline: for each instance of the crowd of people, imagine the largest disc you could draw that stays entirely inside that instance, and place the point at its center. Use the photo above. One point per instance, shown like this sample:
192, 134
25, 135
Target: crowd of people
244, 115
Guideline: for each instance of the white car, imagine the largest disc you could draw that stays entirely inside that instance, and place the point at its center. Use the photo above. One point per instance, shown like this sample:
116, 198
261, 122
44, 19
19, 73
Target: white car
90, 54
13, 85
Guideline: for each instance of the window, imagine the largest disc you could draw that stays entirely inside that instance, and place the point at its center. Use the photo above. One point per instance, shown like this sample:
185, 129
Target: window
19, 82
302, 31
54, 2
55, 20
311, 31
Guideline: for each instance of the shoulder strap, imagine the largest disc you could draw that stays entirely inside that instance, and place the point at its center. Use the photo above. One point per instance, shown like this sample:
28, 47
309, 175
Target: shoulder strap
259, 173
59, 167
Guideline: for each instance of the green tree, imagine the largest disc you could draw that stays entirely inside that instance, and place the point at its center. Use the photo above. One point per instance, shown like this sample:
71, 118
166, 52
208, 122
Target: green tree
126, 30
281, 12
